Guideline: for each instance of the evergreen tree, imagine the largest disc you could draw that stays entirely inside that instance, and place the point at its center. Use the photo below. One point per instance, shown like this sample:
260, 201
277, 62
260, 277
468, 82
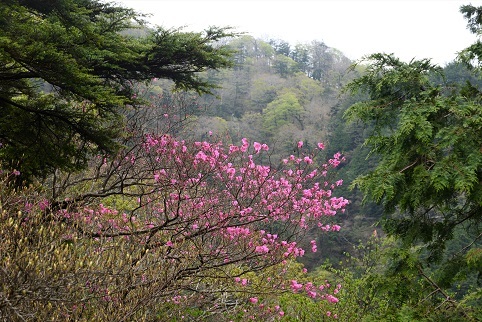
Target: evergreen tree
428, 138
68, 67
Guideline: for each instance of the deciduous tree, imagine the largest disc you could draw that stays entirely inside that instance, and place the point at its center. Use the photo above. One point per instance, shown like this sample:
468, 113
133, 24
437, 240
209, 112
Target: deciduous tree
163, 230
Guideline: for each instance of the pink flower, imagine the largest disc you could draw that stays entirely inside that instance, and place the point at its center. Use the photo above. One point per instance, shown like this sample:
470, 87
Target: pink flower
308, 160
295, 286
262, 249
245, 144
257, 146
44, 204
313, 246
321, 146
330, 298
300, 144
253, 300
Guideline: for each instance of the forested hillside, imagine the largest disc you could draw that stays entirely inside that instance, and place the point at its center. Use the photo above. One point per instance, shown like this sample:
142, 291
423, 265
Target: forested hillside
280, 94
152, 174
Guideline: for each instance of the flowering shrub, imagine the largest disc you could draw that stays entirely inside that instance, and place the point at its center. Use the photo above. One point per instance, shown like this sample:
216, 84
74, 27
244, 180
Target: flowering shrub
166, 229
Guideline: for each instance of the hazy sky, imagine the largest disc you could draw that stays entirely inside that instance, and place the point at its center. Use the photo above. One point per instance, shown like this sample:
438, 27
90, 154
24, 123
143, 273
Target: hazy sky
408, 28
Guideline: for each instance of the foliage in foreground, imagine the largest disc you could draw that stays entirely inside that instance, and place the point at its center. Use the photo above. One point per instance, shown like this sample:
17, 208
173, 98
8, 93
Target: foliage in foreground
164, 230
382, 281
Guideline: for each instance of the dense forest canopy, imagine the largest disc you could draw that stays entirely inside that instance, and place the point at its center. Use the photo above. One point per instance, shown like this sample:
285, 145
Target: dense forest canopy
157, 174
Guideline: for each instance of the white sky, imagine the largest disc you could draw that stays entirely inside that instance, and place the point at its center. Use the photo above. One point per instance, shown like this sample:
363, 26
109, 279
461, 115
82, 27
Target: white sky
409, 28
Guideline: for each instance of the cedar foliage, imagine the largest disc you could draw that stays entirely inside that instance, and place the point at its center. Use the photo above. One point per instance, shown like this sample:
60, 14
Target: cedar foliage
68, 67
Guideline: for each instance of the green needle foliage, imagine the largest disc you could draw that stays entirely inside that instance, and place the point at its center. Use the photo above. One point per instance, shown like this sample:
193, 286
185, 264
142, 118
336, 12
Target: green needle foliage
428, 138
429, 175
69, 67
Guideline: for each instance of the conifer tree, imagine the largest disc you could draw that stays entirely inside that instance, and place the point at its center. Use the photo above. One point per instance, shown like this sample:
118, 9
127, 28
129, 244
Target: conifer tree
68, 67
428, 137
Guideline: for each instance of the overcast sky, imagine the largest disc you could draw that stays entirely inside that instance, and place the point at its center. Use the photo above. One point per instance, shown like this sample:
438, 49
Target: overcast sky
408, 28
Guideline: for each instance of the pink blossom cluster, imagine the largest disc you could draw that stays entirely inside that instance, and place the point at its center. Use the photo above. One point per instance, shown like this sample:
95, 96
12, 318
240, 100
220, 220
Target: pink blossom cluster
205, 202
316, 291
